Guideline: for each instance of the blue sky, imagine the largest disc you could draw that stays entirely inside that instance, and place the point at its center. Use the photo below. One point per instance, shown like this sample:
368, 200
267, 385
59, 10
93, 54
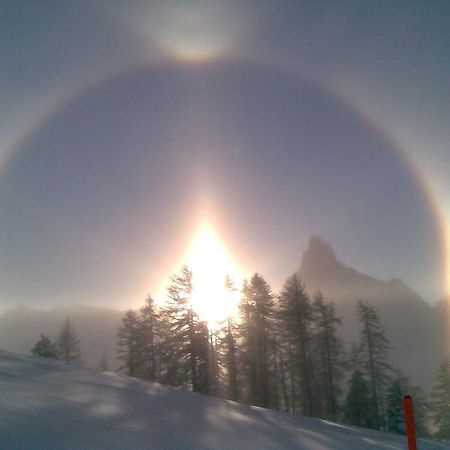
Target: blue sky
125, 125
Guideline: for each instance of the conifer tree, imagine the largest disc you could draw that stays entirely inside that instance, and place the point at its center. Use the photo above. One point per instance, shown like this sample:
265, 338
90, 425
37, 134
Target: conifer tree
357, 409
230, 359
68, 344
177, 316
283, 378
441, 401
295, 322
130, 344
227, 359
256, 349
328, 350
45, 348
395, 419
373, 353
150, 335
214, 380
204, 359
229, 347
186, 342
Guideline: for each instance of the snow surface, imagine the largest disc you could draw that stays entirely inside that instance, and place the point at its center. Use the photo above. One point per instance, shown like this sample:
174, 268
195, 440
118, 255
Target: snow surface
47, 404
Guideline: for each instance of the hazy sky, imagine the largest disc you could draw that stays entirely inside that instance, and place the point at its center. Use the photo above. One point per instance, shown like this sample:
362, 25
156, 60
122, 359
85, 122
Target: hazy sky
126, 125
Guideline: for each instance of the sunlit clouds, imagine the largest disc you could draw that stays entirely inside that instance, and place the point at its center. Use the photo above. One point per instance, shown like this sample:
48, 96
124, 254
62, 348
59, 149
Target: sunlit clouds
190, 31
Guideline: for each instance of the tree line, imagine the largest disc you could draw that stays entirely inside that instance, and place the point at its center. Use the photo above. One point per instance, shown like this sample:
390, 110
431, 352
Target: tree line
283, 352
66, 346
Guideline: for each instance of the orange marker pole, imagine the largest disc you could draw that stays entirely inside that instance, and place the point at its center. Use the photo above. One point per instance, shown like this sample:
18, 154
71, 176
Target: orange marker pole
409, 422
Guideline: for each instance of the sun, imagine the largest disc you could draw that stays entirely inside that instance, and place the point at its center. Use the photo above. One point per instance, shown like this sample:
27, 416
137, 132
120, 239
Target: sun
210, 263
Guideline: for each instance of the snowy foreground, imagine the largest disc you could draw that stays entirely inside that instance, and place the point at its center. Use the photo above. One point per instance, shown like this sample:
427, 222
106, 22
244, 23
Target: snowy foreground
47, 404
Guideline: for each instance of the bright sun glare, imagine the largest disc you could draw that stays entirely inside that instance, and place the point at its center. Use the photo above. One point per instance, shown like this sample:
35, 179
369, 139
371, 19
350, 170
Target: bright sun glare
210, 263
190, 31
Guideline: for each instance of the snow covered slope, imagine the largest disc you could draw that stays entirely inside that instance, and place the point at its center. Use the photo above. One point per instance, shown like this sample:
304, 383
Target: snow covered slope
47, 404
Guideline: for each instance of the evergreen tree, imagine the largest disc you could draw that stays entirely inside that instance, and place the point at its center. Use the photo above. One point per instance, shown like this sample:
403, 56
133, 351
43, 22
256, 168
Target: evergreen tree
373, 352
68, 344
186, 343
204, 355
328, 350
230, 349
246, 355
395, 418
130, 345
227, 359
282, 376
398, 388
150, 335
256, 352
214, 381
45, 348
441, 401
421, 408
177, 320
295, 322
230, 359
357, 409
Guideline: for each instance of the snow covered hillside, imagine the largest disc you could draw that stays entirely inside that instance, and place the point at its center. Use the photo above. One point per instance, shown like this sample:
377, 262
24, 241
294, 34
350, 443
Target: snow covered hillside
47, 404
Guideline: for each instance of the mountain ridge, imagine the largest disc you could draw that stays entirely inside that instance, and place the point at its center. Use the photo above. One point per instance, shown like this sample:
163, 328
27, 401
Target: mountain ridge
412, 325
319, 258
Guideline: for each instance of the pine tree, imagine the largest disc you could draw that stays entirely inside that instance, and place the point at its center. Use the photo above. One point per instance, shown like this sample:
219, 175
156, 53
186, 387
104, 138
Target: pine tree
229, 346
395, 418
227, 359
45, 348
256, 349
441, 401
357, 409
282, 376
204, 359
186, 340
130, 345
214, 380
373, 352
295, 322
328, 350
229, 350
177, 319
421, 408
151, 345
68, 344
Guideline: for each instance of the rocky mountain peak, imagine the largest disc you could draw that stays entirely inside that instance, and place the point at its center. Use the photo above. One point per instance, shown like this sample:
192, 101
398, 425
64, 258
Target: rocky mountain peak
317, 246
318, 255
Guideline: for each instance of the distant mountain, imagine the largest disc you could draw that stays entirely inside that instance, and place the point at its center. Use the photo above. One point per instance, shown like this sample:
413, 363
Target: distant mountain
415, 328
21, 327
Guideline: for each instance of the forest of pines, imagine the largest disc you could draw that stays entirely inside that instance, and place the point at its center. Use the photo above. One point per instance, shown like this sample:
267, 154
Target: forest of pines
282, 352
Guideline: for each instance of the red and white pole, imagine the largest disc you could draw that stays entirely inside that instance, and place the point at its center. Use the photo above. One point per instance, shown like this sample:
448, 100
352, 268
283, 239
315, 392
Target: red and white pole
409, 422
